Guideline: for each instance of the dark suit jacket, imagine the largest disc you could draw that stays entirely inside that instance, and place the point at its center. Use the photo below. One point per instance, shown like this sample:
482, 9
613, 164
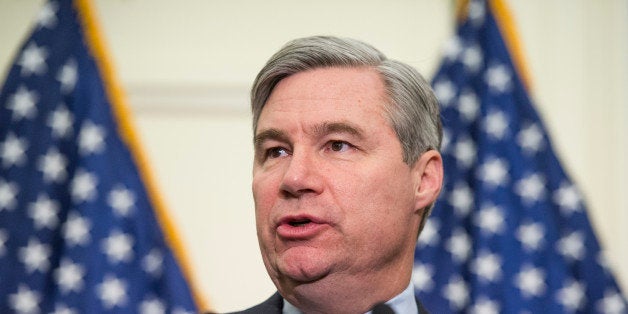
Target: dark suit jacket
274, 305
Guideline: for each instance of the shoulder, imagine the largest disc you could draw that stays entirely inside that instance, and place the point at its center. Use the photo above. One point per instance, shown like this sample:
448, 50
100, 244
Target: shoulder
272, 305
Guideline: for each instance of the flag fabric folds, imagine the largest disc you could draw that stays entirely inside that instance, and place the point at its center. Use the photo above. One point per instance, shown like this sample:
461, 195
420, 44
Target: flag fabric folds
78, 229
509, 233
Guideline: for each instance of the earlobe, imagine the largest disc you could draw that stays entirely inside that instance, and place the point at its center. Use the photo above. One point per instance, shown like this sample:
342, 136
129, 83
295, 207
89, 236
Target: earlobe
429, 172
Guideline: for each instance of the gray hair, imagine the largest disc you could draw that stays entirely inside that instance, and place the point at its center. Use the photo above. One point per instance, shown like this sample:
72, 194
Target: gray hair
412, 109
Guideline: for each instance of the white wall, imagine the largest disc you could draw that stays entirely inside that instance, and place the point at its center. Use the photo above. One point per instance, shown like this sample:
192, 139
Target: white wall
187, 66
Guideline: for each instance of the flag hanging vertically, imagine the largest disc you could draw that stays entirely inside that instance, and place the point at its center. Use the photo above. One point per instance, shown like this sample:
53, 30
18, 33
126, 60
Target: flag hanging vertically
509, 233
79, 231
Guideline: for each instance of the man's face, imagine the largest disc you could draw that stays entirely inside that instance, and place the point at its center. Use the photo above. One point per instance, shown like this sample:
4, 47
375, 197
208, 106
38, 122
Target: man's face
333, 196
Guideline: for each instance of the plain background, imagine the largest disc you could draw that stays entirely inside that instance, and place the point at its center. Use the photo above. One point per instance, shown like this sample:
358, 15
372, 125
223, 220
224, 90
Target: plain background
187, 67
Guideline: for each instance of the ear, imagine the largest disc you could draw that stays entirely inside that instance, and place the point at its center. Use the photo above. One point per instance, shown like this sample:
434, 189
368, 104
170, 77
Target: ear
428, 171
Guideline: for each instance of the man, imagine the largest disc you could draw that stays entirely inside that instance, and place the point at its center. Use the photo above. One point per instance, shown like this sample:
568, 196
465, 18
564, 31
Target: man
345, 174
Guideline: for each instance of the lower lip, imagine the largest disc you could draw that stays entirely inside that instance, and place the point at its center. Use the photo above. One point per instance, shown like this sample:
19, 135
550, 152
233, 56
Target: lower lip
300, 232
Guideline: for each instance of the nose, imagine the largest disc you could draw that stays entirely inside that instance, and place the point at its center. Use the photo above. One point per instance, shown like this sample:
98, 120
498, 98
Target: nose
302, 176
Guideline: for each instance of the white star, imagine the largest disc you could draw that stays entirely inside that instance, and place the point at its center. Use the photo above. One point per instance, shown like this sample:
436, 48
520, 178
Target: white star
25, 301
568, 198
496, 124
531, 281
68, 76
457, 292
22, 103
35, 256
459, 245
461, 199
572, 246
472, 58
83, 186
63, 309
3, 240
152, 306
485, 306
121, 200
531, 235
69, 276
33, 60
572, 295
60, 121
487, 266
469, 105
76, 230
47, 17
465, 152
8, 191
476, 12
112, 292
91, 138
53, 166
12, 151
152, 262
452, 48
422, 277
613, 303
445, 92
498, 78
44, 212
490, 219
444, 146
531, 188
118, 247
494, 172
429, 235
530, 139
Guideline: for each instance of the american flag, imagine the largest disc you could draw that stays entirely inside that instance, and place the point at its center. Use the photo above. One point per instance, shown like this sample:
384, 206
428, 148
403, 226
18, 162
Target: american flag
509, 233
78, 232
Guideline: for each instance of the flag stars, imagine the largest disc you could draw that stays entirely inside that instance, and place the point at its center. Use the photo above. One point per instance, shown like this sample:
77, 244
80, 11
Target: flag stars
568, 198
44, 212
571, 295
531, 235
477, 12
35, 256
152, 262
91, 138
8, 192
68, 76
112, 292
472, 58
485, 306
152, 306
490, 219
465, 152
487, 266
445, 92
494, 172
12, 151
63, 309
33, 60
22, 103
121, 200
429, 235
461, 198
452, 48
496, 124
60, 121
531, 188
530, 139
25, 301
69, 276
499, 78
531, 281
457, 292
612, 303
118, 247
83, 186
469, 105
459, 245
53, 166
572, 246
76, 230
47, 16
422, 277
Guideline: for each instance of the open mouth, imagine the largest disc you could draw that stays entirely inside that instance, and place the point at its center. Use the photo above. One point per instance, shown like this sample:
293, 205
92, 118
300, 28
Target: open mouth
299, 222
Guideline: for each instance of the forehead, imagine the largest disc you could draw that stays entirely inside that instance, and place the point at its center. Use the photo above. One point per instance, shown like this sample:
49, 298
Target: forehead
334, 93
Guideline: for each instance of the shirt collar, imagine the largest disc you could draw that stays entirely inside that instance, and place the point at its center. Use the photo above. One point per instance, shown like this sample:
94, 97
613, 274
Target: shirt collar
401, 303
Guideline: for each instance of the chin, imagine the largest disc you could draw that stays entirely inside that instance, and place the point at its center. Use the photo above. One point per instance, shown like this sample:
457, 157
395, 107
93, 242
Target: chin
298, 266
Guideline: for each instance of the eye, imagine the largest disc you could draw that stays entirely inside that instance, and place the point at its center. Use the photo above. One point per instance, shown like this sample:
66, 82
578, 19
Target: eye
276, 152
339, 146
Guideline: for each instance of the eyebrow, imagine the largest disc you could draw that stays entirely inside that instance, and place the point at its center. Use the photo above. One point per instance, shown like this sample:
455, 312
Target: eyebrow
318, 130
